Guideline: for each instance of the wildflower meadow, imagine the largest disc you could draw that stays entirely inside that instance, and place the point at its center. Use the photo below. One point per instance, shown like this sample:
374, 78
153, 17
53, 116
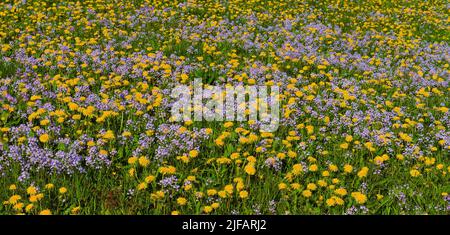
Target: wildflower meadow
343, 108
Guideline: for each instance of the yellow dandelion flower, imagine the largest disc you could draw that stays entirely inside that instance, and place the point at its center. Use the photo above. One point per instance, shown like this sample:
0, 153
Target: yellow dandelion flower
338, 201
181, 201
250, 169
149, 179
45, 212
132, 160
311, 186
333, 168
160, 194
379, 196
29, 207
306, 193
14, 199
292, 154
40, 196
211, 192
349, 138
33, 198
193, 153
44, 138
144, 161
281, 156
142, 186
207, 209
131, 172
243, 194
359, 197
215, 205
341, 191
18, 206
109, 135
228, 124
344, 146
282, 186
62, 190
126, 134
414, 173
330, 202
222, 194
405, 137
229, 188
363, 172
348, 168
75, 210
240, 186
297, 169
295, 186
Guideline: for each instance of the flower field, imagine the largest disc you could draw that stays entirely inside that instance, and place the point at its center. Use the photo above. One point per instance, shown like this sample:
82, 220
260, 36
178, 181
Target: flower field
85, 107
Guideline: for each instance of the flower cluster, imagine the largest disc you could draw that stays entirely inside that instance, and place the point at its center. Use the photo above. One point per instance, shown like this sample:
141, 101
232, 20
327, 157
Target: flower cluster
86, 104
